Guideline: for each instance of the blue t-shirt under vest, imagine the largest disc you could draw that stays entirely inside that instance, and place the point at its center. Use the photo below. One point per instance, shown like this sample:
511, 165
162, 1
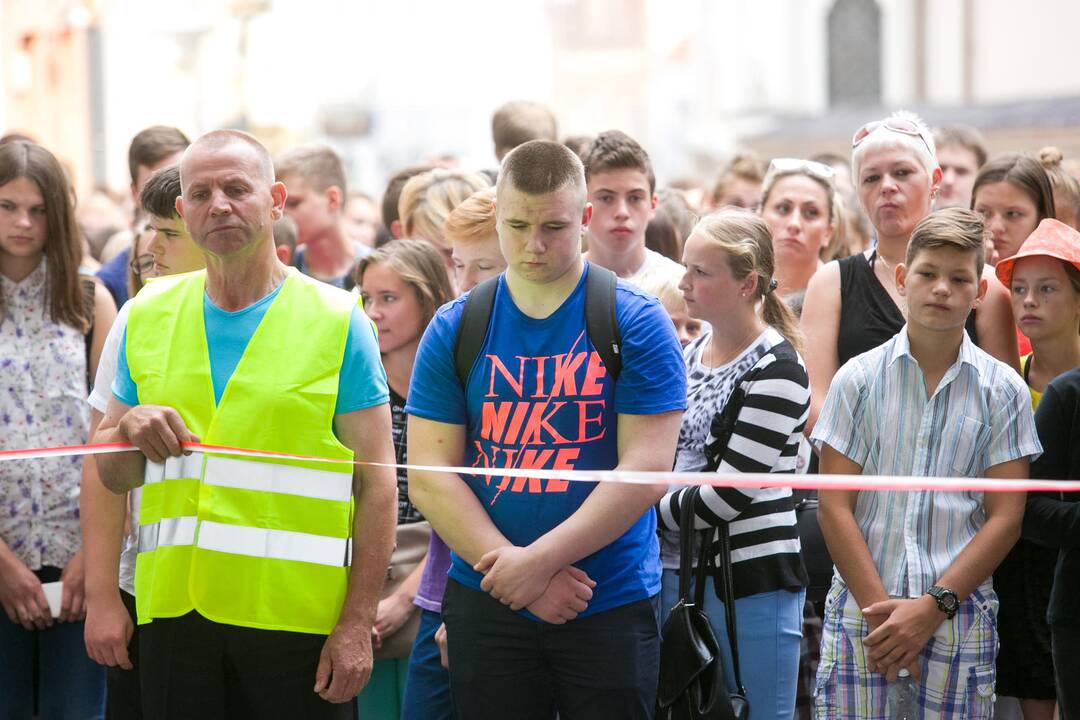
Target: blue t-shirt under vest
361, 383
539, 397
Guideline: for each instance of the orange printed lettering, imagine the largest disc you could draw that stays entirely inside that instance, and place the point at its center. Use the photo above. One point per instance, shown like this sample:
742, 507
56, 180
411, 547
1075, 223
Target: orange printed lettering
563, 461
520, 409
493, 421
584, 419
535, 460
515, 385
540, 361
593, 374
566, 367
538, 421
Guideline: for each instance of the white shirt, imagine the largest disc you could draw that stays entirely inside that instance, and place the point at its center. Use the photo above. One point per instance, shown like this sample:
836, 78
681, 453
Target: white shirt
654, 261
99, 400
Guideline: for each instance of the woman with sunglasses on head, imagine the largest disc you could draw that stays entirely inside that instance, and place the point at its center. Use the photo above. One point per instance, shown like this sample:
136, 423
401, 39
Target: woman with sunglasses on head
805, 215
852, 305
52, 328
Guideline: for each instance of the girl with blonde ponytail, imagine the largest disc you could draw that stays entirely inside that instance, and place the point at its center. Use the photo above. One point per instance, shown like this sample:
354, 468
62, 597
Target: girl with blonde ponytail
748, 397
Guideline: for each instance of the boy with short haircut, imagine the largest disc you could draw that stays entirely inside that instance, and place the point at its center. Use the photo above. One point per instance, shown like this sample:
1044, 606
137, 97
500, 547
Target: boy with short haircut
315, 180
551, 602
172, 247
470, 229
151, 149
622, 190
518, 122
961, 151
912, 589
110, 544
392, 194
285, 239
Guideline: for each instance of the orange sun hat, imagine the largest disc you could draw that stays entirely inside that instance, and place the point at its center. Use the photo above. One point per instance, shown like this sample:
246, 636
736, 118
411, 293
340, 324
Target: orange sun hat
1050, 239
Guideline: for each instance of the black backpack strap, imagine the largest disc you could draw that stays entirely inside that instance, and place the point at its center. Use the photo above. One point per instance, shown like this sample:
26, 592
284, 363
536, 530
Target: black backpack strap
600, 321
472, 329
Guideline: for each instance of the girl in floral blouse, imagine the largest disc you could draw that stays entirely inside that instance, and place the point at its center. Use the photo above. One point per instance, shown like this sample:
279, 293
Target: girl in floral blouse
50, 338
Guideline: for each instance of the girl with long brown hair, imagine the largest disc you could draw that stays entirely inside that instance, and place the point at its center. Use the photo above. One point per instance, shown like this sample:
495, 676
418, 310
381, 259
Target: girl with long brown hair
52, 328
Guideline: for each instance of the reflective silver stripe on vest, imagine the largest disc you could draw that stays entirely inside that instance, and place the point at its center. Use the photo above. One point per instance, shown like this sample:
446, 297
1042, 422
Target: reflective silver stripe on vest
167, 531
271, 477
273, 544
174, 468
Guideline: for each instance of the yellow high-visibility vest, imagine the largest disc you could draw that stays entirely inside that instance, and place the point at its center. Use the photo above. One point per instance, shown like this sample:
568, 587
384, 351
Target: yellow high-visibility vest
245, 541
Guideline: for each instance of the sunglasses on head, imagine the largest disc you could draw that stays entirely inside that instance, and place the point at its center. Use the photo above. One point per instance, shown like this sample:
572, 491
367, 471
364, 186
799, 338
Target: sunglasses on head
798, 165
897, 125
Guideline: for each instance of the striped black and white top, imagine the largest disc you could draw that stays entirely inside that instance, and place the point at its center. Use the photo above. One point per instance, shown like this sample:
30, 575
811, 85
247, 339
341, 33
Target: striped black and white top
767, 437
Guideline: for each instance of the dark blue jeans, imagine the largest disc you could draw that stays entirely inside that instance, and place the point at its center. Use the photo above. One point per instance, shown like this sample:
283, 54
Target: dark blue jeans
503, 665
427, 687
70, 684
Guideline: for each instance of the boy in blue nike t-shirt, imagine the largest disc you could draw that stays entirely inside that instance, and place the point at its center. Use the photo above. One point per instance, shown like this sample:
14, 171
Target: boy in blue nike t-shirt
551, 603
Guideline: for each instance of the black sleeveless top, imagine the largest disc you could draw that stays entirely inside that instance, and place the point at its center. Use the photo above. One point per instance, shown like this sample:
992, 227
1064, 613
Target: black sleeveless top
868, 315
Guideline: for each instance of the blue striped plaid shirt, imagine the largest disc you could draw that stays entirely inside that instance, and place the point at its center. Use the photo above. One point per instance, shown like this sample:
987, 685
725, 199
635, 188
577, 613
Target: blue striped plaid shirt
877, 414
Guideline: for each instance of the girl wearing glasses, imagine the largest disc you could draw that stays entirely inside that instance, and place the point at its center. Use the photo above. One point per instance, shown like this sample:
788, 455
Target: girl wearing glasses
141, 265
852, 305
805, 216
52, 328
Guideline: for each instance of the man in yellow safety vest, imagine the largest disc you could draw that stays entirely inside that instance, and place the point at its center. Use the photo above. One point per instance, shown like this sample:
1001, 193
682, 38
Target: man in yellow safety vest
256, 580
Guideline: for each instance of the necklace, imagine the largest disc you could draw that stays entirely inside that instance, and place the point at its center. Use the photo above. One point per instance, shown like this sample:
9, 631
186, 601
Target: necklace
901, 303
710, 362
891, 269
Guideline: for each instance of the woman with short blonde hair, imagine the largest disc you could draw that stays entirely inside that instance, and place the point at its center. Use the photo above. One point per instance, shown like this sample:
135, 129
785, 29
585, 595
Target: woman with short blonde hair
852, 305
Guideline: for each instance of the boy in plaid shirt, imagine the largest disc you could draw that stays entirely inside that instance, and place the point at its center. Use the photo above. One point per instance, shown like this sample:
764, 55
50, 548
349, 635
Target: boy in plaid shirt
912, 588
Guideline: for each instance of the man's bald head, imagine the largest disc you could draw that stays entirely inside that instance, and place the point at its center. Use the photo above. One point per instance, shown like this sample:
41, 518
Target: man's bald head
217, 139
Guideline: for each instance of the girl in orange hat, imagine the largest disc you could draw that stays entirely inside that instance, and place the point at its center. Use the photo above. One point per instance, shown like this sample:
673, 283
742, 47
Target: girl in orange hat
1044, 281
1043, 278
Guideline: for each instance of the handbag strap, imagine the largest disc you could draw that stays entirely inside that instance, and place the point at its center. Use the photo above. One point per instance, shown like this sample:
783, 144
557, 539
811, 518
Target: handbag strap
729, 599
686, 544
687, 551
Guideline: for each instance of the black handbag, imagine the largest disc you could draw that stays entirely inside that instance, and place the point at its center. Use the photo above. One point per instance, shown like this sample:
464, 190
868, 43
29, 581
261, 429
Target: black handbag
692, 684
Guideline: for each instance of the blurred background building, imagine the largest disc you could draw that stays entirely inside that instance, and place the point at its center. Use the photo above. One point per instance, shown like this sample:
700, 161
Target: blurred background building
392, 83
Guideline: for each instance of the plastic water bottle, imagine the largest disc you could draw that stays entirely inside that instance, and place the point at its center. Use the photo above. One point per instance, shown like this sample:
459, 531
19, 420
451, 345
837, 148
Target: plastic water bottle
903, 697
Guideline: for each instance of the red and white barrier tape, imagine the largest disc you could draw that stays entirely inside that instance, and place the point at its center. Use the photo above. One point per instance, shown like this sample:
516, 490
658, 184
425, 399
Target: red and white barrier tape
737, 480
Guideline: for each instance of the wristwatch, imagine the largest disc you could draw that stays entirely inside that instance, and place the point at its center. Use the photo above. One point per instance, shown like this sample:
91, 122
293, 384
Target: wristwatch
947, 601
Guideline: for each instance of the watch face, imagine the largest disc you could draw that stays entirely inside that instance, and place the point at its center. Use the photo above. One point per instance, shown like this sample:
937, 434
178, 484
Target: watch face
946, 599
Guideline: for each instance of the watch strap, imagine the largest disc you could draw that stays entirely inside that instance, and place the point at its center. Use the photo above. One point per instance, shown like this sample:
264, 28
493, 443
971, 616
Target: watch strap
941, 596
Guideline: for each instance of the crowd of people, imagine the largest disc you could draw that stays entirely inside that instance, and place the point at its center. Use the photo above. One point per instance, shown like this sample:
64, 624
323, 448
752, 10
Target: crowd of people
910, 310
